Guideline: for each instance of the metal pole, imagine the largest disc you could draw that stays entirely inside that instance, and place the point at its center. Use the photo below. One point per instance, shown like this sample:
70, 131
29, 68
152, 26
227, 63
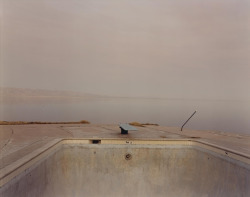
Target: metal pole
187, 120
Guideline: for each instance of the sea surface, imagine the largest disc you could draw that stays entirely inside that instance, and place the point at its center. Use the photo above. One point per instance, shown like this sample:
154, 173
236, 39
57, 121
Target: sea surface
218, 115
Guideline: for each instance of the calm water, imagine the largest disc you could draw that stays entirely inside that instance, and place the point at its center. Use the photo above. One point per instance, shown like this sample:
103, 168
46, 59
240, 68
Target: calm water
229, 116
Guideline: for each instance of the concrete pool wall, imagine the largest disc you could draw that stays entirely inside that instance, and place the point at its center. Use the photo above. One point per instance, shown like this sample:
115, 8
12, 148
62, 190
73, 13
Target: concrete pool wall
112, 167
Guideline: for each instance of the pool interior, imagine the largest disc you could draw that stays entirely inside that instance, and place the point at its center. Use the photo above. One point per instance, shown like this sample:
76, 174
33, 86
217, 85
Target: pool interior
130, 168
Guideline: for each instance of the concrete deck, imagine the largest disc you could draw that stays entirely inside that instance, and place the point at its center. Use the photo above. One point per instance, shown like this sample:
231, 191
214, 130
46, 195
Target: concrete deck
16, 141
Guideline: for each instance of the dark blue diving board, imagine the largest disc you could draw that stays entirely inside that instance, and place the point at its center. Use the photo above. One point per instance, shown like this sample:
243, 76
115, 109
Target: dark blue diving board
126, 127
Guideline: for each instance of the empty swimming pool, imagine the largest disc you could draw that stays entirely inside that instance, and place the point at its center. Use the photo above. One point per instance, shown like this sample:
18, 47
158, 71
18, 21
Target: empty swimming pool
129, 168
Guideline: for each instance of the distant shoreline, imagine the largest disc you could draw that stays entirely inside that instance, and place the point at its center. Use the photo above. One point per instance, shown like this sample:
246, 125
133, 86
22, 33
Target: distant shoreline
17, 94
35, 122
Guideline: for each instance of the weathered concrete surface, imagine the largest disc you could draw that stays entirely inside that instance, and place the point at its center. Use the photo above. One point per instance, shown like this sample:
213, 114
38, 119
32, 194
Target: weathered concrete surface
103, 170
16, 142
16, 137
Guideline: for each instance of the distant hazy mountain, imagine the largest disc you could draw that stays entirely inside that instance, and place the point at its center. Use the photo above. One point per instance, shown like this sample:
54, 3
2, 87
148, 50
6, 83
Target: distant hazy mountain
21, 93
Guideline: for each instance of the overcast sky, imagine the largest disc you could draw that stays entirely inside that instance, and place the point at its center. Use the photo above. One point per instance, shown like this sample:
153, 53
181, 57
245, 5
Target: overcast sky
150, 48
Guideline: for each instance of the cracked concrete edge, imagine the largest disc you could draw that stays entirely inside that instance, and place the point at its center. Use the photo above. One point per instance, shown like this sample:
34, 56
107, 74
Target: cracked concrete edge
7, 141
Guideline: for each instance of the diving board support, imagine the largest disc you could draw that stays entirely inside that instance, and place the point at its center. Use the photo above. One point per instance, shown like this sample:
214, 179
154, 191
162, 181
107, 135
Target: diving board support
126, 127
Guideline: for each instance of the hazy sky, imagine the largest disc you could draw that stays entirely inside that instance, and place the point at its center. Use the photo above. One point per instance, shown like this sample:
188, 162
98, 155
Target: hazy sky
156, 48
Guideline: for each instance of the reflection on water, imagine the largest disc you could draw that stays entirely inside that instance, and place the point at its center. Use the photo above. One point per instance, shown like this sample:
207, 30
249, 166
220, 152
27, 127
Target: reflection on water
230, 116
